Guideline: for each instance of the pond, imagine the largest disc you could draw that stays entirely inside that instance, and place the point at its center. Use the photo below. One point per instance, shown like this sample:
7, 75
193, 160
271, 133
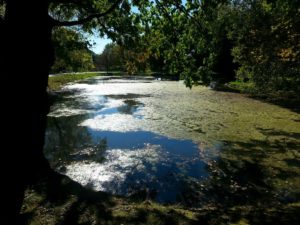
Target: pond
159, 140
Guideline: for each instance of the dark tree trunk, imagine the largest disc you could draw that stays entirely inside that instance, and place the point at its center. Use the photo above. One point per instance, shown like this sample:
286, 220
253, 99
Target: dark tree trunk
27, 57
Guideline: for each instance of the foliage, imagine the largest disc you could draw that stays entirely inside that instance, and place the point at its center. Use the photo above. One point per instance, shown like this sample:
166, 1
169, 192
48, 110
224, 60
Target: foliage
200, 41
2, 9
222, 40
267, 44
186, 40
111, 18
110, 58
122, 58
196, 41
120, 25
71, 51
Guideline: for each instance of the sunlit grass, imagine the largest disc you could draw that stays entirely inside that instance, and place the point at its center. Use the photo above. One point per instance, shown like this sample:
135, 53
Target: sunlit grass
243, 87
56, 82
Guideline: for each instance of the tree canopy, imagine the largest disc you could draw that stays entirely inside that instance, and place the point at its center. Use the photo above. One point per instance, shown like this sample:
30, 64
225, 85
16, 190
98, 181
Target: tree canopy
250, 41
253, 42
256, 42
71, 51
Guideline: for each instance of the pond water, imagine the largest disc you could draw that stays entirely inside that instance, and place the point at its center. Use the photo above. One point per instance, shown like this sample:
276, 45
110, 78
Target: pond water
159, 140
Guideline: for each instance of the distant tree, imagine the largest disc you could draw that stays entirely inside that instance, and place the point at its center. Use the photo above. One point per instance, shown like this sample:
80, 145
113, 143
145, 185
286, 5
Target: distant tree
136, 59
111, 58
267, 44
71, 51
123, 58
201, 41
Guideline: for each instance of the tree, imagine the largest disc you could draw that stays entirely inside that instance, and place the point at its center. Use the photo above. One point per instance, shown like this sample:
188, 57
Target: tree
189, 40
26, 29
124, 58
200, 41
267, 44
223, 40
71, 51
110, 59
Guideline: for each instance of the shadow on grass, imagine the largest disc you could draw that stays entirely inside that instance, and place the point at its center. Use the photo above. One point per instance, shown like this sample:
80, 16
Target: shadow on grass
253, 182
64, 200
257, 182
289, 100
59, 200
292, 103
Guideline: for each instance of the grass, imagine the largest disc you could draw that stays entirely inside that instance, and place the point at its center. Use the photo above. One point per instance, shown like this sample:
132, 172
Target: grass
59, 80
242, 87
59, 200
56, 82
287, 99
65, 202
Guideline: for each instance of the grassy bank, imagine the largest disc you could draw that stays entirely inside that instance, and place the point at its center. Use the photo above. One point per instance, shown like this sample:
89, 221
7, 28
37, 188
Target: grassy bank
56, 82
59, 200
287, 99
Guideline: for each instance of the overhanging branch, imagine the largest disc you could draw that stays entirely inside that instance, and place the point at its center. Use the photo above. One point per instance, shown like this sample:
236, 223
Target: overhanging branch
88, 18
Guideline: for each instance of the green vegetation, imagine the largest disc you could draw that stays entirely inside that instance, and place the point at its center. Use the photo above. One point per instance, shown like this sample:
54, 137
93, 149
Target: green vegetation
254, 44
76, 205
117, 57
57, 81
72, 204
253, 173
71, 51
110, 59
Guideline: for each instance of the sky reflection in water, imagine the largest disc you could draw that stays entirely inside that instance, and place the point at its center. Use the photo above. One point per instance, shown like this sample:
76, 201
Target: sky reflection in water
162, 141
132, 162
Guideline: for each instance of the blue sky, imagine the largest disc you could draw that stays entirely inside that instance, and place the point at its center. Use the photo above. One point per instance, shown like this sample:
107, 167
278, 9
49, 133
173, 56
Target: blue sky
101, 42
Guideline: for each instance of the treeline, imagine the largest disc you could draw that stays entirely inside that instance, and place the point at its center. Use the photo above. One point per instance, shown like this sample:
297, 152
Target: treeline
72, 54
256, 42
71, 51
122, 58
253, 42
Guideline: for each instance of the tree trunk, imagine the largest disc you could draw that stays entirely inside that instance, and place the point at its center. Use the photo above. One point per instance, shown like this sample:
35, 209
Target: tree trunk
27, 55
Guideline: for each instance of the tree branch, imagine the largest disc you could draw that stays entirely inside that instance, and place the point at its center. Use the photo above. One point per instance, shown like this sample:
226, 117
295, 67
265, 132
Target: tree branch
88, 18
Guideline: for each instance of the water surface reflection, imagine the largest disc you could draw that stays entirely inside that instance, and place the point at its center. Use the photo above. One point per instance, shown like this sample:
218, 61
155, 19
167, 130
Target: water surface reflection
161, 141
139, 163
